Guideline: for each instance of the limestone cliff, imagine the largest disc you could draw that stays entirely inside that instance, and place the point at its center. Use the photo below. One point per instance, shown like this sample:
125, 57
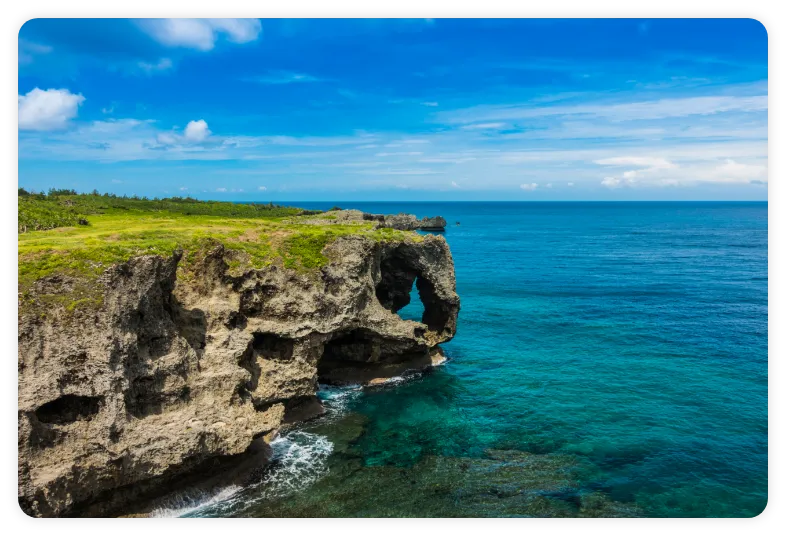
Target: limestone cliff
174, 374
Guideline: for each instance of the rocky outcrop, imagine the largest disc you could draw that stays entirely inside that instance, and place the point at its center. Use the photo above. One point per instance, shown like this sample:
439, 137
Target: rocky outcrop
402, 222
175, 374
407, 222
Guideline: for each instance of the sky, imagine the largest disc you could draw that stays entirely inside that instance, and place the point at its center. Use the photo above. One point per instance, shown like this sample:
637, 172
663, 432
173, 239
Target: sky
395, 109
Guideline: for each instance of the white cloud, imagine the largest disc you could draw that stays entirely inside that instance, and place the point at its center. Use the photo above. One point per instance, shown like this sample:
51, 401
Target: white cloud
709, 169
570, 184
221, 189
196, 131
282, 77
611, 182
47, 110
529, 187
651, 169
647, 162
28, 50
201, 34
117, 181
626, 111
732, 171
262, 188
164, 64
431, 104
454, 184
183, 188
548, 185
483, 126
166, 138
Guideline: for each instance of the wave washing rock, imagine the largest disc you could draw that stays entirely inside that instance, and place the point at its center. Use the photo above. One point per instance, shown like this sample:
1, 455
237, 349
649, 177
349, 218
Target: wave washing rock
173, 378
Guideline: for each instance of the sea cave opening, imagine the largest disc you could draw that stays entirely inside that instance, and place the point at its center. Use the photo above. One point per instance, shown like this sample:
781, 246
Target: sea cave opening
404, 290
414, 310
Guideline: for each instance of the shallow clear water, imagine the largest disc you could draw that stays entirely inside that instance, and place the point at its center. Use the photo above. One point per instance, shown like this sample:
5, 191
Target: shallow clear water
611, 359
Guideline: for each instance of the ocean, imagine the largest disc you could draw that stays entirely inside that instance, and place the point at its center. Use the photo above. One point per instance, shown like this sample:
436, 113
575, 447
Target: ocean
610, 360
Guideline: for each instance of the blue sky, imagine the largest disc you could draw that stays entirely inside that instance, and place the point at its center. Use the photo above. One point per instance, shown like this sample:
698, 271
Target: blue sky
443, 109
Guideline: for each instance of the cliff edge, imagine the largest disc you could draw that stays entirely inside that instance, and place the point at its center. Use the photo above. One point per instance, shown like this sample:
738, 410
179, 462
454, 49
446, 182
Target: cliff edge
186, 361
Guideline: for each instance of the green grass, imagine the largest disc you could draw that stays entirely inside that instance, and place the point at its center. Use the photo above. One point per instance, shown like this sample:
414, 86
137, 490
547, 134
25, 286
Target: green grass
35, 207
35, 215
118, 229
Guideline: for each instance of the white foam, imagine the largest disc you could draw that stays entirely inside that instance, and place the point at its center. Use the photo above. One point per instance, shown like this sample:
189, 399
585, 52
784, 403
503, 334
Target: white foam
299, 460
399, 379
337, 399
189, 502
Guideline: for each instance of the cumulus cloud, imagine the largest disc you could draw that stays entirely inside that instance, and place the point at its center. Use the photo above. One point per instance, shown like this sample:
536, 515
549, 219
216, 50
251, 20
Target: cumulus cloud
47, 110
183, 188
611, 182
529, 187
221, 189
201, 34
454, 184
196, 131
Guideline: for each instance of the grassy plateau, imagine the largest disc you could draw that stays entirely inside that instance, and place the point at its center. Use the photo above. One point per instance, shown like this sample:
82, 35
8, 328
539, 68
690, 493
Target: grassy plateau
80, 235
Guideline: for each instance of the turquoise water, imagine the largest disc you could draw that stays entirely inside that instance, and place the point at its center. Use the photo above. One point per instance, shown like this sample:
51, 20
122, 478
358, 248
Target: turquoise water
610, 360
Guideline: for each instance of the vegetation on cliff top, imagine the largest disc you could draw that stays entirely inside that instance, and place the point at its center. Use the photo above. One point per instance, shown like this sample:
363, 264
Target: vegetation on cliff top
81, 235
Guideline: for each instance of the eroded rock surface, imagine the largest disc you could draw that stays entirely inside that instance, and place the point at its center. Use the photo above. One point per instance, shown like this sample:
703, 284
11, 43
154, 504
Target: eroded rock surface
408, 222
402, 222
172, 376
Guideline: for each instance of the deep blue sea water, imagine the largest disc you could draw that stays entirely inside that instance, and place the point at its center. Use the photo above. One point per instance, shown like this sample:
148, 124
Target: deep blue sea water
610, 359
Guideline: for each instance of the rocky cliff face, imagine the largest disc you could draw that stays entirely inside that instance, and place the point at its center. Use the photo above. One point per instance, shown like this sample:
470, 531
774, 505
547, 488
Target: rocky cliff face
408, 222
174, 375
